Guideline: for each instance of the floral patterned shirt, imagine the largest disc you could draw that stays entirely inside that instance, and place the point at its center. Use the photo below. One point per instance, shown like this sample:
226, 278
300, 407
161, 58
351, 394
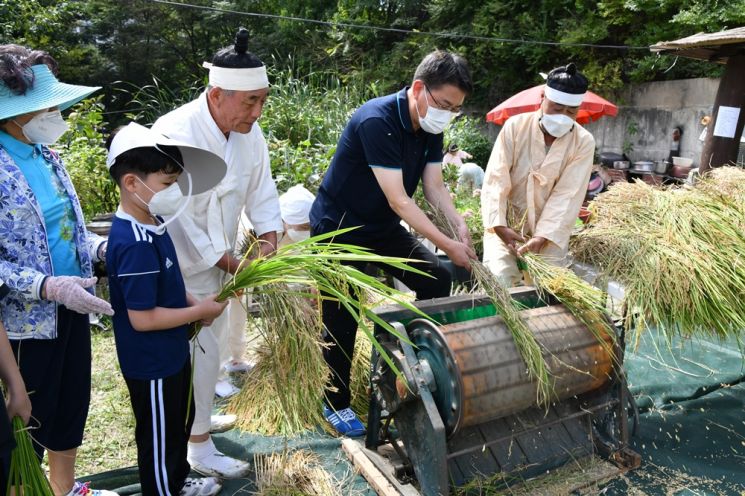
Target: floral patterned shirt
50, 193
25, 258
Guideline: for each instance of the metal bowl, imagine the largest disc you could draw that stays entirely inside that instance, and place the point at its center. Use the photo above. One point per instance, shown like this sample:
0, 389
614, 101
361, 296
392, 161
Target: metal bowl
621, 164
661, 166
643, 166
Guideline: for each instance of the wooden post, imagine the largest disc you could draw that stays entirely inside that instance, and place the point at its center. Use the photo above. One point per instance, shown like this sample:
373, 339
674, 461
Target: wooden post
719, 151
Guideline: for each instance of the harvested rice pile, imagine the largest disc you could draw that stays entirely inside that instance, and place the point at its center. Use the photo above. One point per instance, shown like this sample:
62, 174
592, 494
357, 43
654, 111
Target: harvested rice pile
726, 182
295, 473
282, 394
680, 253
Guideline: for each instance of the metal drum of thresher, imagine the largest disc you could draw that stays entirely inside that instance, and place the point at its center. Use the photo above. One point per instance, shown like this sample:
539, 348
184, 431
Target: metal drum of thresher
477, 373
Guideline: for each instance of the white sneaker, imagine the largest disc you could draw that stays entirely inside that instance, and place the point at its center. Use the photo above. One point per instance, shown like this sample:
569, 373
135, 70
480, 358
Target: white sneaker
205, 486
222, 423
219, 465
224, 389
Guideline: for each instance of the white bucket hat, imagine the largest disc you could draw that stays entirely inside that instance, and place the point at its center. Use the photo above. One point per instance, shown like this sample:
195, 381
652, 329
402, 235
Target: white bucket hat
206, 168
46, 92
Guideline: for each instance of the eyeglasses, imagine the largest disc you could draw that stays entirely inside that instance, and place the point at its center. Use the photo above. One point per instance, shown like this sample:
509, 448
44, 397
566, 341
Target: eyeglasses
455, 110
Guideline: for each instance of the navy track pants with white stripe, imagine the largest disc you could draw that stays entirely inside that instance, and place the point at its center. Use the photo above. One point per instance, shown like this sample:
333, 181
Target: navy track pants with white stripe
162, 431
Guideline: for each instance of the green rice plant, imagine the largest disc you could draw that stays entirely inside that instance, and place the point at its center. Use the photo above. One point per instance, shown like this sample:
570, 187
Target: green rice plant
678, 252
291, 327
317, 262
283, 393
530, 350
26, 475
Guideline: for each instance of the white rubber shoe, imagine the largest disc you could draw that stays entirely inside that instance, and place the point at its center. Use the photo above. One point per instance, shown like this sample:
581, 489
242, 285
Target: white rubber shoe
203, 486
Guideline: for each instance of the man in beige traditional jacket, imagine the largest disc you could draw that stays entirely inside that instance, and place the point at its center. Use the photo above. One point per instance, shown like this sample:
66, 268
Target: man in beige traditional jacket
536, 178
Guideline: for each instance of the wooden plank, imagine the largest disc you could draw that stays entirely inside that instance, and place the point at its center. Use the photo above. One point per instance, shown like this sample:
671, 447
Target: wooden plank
369, 471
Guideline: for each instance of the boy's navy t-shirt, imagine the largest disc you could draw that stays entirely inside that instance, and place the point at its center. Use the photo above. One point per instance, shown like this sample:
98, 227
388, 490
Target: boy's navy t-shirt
143, 274
379, 134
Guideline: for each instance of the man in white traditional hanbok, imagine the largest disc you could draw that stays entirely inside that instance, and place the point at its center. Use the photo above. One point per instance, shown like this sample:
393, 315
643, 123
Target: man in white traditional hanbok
536, 178
222, 120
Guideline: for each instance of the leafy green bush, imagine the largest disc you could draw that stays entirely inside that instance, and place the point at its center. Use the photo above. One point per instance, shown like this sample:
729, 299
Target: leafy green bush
303, 163
469, 207
84, 155
311, 108
467, 133
145, 104
302, 120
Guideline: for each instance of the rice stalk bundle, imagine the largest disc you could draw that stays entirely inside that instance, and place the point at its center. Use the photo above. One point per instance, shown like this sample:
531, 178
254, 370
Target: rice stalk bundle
360, 380
679, 253
317, 262
583, 300
296, 473
283, 393
26, 475
527, 345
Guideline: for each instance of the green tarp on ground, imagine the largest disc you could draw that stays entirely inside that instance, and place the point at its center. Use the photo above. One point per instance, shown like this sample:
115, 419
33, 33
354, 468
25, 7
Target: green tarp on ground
691, 432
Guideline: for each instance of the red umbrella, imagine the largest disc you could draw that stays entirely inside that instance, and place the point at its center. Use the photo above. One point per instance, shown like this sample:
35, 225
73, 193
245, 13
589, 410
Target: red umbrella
593, 107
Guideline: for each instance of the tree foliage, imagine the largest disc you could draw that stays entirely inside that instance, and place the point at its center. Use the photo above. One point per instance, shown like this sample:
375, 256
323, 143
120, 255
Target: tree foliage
104, 41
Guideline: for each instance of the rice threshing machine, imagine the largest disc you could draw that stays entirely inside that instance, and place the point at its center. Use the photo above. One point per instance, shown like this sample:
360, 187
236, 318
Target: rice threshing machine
462, 406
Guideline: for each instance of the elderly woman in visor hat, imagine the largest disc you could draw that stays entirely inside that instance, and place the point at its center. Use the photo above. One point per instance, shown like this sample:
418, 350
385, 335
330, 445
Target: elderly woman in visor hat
45, 259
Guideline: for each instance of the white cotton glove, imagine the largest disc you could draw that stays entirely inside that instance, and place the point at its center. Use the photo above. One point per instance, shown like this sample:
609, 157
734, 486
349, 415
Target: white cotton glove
70, 291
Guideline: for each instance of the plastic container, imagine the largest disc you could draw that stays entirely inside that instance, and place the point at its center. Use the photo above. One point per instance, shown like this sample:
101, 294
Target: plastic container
683, 162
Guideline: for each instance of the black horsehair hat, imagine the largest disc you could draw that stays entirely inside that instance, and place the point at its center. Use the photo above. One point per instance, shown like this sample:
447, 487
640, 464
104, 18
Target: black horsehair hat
566, 85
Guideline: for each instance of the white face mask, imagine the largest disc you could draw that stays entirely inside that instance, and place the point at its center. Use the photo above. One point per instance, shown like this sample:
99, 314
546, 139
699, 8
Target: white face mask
557, 125
436, 120
45, 128
168, 202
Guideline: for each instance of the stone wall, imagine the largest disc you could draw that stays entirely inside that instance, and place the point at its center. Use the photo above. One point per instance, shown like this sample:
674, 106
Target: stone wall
654, 109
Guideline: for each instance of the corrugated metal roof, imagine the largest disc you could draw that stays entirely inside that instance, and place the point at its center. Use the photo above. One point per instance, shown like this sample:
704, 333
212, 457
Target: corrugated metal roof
715, 47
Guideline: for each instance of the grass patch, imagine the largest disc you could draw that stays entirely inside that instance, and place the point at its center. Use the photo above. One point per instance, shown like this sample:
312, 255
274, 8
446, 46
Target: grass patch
109, 441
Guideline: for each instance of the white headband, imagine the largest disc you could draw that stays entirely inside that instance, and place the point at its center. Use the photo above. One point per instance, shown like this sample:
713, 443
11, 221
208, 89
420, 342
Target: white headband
568, 99
244, 79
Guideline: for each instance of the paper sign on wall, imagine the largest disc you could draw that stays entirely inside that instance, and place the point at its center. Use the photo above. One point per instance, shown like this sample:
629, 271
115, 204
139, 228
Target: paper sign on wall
726, 121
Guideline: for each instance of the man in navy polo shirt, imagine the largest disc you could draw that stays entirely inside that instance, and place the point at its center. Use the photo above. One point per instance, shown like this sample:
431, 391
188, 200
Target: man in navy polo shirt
387, 147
